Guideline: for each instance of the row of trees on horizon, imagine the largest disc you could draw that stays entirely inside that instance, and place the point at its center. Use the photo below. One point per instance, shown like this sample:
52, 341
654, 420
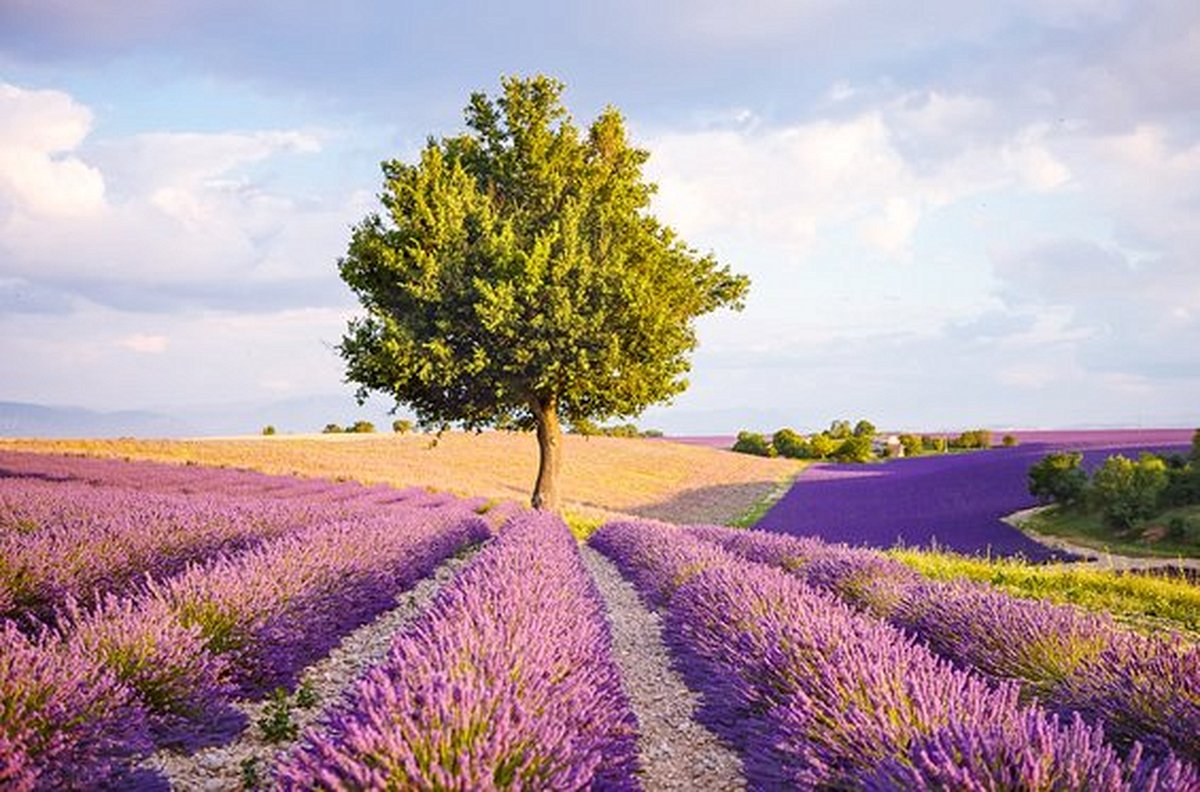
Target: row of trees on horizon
842, 442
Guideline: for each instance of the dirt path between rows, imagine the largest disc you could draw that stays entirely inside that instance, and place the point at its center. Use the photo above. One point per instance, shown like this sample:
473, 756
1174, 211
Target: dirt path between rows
676, 752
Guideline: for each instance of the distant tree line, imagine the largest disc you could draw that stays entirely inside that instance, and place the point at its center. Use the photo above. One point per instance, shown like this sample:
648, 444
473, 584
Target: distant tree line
1122, 491
582, 426
358, 427
842, 442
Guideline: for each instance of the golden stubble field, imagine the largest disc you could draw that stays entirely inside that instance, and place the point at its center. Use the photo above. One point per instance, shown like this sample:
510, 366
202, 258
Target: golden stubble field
602, 476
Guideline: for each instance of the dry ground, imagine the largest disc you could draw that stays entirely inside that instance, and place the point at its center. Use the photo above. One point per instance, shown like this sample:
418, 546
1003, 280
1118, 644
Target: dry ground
602, 476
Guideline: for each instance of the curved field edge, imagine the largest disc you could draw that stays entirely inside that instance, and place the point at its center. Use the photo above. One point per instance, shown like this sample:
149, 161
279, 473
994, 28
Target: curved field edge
1141, 601
603, 477
1087, 534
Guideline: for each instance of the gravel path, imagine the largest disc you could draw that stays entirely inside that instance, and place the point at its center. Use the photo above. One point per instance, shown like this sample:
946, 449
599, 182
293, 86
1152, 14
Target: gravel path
222, 767
1097, 559
676, 751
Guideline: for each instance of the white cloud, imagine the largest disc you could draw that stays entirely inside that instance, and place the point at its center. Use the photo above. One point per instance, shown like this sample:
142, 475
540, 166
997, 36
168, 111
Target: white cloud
791, 184
145, 344
104, 358
38, 176
784, 183
183, 213
1033, 163
891, 230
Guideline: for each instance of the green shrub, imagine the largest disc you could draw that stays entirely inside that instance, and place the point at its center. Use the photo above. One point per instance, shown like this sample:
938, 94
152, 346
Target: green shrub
822, 446
652, 433
912, 444
402, 426
936, 445
790, 443
973, 438
585, 427
251, 773
622, 430
268, 430
1058, 477
856, 448
864, 428
1183, 483
1177, 529
306, 695
1127, 491
276, 721
753, 443
361, 427
1008, 441
331, 428
839, 429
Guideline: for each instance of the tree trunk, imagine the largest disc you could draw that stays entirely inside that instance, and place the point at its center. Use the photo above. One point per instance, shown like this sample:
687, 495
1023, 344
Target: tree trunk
549, 436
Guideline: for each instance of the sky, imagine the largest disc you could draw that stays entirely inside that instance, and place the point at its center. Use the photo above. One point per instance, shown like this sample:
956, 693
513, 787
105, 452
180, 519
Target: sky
954, 214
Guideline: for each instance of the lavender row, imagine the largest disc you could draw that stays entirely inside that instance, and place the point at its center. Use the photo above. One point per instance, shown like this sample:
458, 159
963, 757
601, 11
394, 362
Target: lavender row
192, 479
79, 541
65, 722
507, 682
183, 649
1141, 687
817, 694
92, 534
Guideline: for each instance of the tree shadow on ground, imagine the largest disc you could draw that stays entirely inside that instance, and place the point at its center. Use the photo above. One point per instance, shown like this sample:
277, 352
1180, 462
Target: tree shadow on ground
718, 504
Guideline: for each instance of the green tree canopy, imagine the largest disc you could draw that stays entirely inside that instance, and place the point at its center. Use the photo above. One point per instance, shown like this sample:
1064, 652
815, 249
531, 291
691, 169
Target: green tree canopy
516, 277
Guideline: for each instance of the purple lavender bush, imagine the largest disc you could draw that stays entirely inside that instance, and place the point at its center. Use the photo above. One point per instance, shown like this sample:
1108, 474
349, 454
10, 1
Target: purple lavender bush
1143, 688
1010, 755
864, 577
143, 644
247, 624
653, 558
817, 694
81, 541
65, 722
507, 682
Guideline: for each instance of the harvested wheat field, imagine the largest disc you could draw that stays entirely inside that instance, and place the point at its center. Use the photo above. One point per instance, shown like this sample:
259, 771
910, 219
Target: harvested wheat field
602, 476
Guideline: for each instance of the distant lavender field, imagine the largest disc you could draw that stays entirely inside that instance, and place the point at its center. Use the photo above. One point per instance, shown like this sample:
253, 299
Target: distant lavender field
1073, 438
955, 501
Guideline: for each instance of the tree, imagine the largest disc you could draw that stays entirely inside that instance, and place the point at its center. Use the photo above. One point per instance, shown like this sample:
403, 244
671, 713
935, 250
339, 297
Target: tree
516, 277
864, 428
855, 448
1126, 491
402, 426
821, 445
789, 443
839, 429
1059, 477
912, 444
753, 443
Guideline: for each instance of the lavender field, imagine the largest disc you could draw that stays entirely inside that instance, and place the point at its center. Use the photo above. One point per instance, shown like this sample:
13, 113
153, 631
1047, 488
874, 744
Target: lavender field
955, 501
147, 608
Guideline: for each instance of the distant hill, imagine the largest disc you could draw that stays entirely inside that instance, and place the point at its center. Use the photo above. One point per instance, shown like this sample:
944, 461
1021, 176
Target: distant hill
18, 419
302, 414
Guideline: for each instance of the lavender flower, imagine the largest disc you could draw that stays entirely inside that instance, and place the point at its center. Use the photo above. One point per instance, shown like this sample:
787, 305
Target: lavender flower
818, 694
65, 722
505, 683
